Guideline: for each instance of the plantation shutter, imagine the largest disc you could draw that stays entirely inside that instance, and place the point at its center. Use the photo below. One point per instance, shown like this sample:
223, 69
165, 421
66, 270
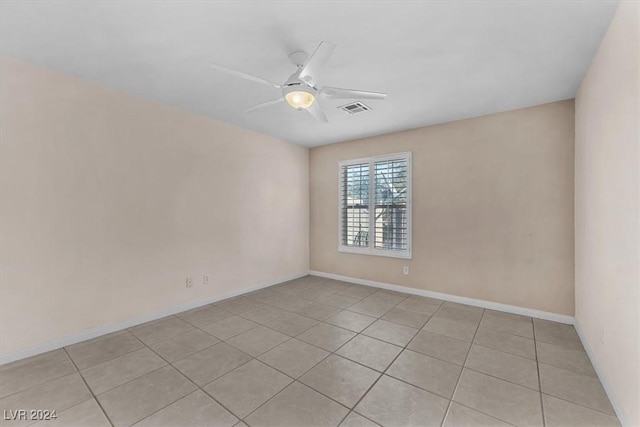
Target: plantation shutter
355, 205
374, 205
390, 205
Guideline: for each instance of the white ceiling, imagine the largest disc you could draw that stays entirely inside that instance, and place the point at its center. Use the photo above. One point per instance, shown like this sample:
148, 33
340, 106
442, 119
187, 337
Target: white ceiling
438, 61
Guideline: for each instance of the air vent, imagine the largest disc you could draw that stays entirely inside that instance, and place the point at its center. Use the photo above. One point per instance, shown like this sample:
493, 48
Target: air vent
355, 108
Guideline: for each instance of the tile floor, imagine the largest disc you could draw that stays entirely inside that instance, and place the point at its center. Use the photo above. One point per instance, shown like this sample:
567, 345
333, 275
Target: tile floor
317, 352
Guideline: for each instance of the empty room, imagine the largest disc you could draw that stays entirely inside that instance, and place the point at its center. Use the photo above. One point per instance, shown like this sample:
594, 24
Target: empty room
319, 213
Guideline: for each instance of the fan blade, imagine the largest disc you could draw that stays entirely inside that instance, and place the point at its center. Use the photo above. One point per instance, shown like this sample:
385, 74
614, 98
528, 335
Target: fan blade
313, 68
316, 111
264, 104
337, 93
245, 75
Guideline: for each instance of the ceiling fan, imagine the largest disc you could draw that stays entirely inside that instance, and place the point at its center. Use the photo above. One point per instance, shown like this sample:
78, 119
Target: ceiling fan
302, 89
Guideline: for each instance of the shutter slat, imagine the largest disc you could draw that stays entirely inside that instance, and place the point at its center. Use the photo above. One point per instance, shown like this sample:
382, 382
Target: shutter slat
390, 228
355, 205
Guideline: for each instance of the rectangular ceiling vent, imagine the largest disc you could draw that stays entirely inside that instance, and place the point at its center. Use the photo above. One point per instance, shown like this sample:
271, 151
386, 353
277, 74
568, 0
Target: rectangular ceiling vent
355, 108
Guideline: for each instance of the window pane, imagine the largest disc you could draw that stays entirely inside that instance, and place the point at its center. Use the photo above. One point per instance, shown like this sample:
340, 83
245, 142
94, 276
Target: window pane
355, 205
390, 202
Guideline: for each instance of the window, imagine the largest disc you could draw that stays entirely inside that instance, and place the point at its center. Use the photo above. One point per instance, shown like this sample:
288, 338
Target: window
375, 206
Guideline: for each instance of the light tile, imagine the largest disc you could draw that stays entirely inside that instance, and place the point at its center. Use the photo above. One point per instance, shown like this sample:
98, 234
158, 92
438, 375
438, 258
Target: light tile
340, 379
27, 373
383, 297
584, 390
294, 357
390, 332
135, 400
257, 340
229, 327
59, 394
296, 406
394, 403
326, 336
239, 305
120, 370
455, 328
336, 285
85, 414
461, 416
291, 324
183, 345
211, 363
506, 342
149, 323
560, 413
290, 288
508, 323
314, 293
263, 314
349, 320
557, 333
319, 311
158, 331
355, 420
422, 305
267, 296
89, 353
290, 303
440, 346
463, 312
369, 308
357, 291
429, 373
340, 301
404, 317
501, 399
561, 357
310, 280
506, 366
370, 352
396, 293
244, 389
204, 315
196, 409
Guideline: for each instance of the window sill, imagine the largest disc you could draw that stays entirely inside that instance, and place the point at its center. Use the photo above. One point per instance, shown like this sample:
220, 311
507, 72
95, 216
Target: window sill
375, 252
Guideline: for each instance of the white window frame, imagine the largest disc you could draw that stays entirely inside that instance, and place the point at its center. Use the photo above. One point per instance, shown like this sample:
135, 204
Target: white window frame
371, 250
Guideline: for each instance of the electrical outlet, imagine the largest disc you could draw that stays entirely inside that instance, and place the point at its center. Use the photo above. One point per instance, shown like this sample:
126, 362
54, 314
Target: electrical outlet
205, 279
405, 269
188, 282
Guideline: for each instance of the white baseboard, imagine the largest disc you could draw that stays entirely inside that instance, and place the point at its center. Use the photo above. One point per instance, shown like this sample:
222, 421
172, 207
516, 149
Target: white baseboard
107, 329
539, 314
603, 379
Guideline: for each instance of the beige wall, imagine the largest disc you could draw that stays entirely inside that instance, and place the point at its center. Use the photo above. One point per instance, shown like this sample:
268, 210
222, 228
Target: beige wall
607, 210
492, 208
109, 202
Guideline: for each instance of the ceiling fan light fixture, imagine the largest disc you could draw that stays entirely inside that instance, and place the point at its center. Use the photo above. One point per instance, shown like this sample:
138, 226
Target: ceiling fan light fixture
300, 99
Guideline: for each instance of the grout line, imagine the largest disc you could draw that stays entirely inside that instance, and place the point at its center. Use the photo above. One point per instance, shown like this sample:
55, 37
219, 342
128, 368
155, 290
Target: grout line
318, 322
583, 406
404, 348
312, 367
455, 388
132, 379
198, 387
535, 347
111, 358
484, 413
89, 388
